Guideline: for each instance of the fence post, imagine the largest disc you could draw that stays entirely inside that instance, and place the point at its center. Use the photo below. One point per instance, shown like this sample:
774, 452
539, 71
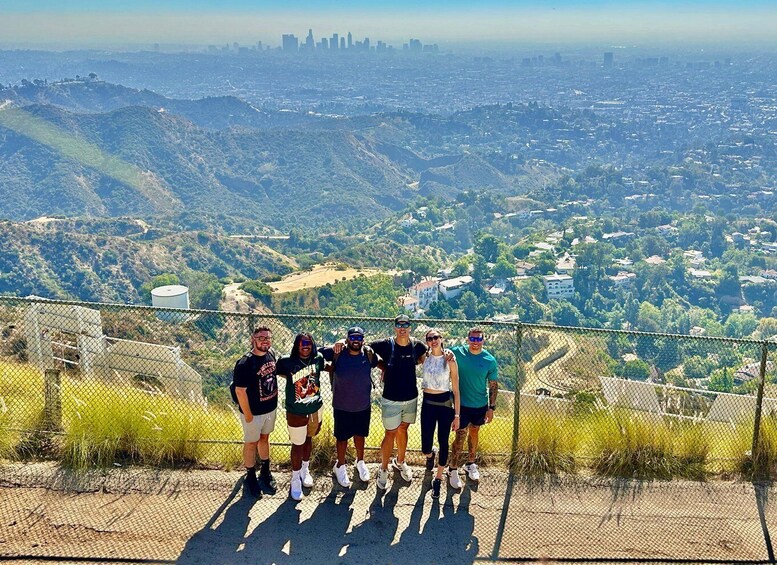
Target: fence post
758, 405
52, 399
519, 379
251, 323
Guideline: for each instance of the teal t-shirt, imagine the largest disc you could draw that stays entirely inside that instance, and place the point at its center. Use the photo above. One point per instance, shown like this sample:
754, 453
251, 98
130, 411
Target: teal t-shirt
474, 373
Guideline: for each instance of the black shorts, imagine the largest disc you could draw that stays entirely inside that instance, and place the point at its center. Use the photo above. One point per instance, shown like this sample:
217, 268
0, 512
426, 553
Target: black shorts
472, 416
349, 424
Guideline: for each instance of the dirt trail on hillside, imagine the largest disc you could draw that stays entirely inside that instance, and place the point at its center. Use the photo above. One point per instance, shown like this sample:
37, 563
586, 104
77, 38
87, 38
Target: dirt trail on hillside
204, 517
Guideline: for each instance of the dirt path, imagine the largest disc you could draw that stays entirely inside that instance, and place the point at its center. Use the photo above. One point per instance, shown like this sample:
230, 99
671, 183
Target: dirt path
545, 377
203, 517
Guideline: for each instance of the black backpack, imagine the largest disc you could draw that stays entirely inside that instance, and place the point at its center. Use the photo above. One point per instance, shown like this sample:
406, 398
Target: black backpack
233, 394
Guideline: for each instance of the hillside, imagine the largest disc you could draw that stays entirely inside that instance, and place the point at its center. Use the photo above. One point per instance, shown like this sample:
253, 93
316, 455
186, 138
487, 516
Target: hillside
74, 259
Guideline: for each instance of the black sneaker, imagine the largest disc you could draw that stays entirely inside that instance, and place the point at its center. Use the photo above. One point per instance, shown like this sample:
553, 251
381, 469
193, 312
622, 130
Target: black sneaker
430, 460
436, 488
267, 483
253, 485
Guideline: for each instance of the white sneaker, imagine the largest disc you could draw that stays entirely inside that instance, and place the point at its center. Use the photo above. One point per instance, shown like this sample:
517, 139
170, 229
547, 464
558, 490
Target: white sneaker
364, 472
296, 487
472, 471
304, 474
341, 473
403, 468
454, 479
383, 477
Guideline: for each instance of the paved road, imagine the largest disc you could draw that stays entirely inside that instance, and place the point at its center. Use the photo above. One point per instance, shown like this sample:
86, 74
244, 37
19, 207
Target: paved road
204, 517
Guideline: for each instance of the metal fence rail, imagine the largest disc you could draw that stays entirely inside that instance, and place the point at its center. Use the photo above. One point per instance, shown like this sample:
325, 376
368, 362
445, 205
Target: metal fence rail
101, 385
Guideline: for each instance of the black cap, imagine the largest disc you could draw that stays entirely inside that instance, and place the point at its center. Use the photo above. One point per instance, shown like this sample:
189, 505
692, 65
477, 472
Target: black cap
402, 318
355, 330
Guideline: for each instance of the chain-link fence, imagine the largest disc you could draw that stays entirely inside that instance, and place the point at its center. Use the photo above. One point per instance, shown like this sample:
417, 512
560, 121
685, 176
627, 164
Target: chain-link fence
596, 450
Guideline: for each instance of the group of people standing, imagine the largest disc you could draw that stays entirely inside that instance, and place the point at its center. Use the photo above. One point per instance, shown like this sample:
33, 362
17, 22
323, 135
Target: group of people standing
459, 394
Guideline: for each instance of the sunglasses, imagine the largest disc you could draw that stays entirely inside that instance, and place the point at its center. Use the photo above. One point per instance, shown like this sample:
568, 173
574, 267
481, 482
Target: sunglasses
402, 325
305, 343
434, 338
476, 338
356, 338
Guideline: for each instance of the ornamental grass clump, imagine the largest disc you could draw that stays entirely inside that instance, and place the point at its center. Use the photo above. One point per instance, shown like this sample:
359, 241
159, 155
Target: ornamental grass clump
763, 464
113, 423
546, 444
21, 405
645, 446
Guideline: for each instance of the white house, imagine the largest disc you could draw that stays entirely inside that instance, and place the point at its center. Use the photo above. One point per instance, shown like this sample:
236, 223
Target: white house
453, 287
425, 292
559, 286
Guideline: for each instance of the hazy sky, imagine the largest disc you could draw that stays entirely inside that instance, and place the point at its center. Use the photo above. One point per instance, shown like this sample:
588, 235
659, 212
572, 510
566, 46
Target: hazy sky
73, 23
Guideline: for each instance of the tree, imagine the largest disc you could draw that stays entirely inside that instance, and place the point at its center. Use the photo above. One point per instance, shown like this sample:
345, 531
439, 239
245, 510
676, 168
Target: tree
696, 367
468, 304
729, 282
565, 313
487, 246
721, 380
504, 269
635, 370
740, 325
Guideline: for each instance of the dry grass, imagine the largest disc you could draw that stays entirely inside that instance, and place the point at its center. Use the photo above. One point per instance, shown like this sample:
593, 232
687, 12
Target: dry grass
107, 423
320, 275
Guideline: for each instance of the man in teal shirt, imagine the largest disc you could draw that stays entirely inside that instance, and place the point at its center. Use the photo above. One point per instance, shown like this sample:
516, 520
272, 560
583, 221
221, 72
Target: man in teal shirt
478, 386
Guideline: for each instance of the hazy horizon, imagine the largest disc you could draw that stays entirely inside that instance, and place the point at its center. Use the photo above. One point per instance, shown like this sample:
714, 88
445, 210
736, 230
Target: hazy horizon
87, 24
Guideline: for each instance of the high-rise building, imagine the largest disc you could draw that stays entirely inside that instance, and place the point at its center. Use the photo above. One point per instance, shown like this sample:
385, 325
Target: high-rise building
310, 43
290, 43
342, 43
350, 40
608, 60
335, 42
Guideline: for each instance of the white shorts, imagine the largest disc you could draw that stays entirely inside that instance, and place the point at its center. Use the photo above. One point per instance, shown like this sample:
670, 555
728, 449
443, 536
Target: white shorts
298, 435
263, 424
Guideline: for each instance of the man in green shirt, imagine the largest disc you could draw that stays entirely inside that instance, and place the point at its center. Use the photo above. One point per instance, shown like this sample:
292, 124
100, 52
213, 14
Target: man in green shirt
478, 386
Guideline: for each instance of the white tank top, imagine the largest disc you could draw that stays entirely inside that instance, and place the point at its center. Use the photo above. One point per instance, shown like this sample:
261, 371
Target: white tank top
436, 373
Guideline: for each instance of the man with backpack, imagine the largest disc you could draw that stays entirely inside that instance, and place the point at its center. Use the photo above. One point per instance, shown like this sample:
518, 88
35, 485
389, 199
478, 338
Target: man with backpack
351, 370
400, 355
255, 389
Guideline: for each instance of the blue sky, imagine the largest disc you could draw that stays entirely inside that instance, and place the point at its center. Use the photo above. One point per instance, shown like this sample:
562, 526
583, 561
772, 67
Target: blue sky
73, 23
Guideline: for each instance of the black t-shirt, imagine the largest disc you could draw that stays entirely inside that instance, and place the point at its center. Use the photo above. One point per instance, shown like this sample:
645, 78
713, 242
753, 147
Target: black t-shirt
256, 373
303, 383
399, 379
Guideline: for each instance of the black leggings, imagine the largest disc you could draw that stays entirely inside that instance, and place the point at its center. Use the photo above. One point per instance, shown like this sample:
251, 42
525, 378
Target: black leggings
435, 415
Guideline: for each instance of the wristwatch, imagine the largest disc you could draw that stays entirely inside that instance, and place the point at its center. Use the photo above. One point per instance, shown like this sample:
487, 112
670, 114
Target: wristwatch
492, 406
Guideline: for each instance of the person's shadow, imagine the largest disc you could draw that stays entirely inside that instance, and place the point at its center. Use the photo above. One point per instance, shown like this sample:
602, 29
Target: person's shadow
447, 534
319, 538
246, 530
370, 540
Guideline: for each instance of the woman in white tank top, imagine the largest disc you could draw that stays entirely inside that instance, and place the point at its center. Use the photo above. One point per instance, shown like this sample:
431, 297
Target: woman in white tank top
440, 407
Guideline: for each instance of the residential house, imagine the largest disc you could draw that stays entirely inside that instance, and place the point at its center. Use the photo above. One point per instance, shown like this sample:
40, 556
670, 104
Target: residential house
425, 292
451, 288
559, 286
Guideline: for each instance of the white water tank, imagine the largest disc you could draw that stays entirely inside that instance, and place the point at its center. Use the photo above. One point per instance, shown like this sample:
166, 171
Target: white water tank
170, 296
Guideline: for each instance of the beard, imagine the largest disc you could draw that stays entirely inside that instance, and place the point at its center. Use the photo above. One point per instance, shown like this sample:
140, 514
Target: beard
355, 345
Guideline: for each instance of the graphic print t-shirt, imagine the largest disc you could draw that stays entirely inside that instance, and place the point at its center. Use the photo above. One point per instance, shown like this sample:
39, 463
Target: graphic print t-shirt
303, 383
256, 373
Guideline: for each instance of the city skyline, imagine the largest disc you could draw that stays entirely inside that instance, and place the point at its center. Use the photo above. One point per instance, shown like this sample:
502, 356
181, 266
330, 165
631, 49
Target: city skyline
88, 23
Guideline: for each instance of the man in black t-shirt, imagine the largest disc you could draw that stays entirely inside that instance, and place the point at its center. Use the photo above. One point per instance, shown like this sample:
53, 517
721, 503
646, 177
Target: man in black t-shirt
399, 404
256, 389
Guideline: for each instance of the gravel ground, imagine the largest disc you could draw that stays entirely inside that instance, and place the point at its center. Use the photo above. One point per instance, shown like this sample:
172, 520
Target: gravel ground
127, 515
